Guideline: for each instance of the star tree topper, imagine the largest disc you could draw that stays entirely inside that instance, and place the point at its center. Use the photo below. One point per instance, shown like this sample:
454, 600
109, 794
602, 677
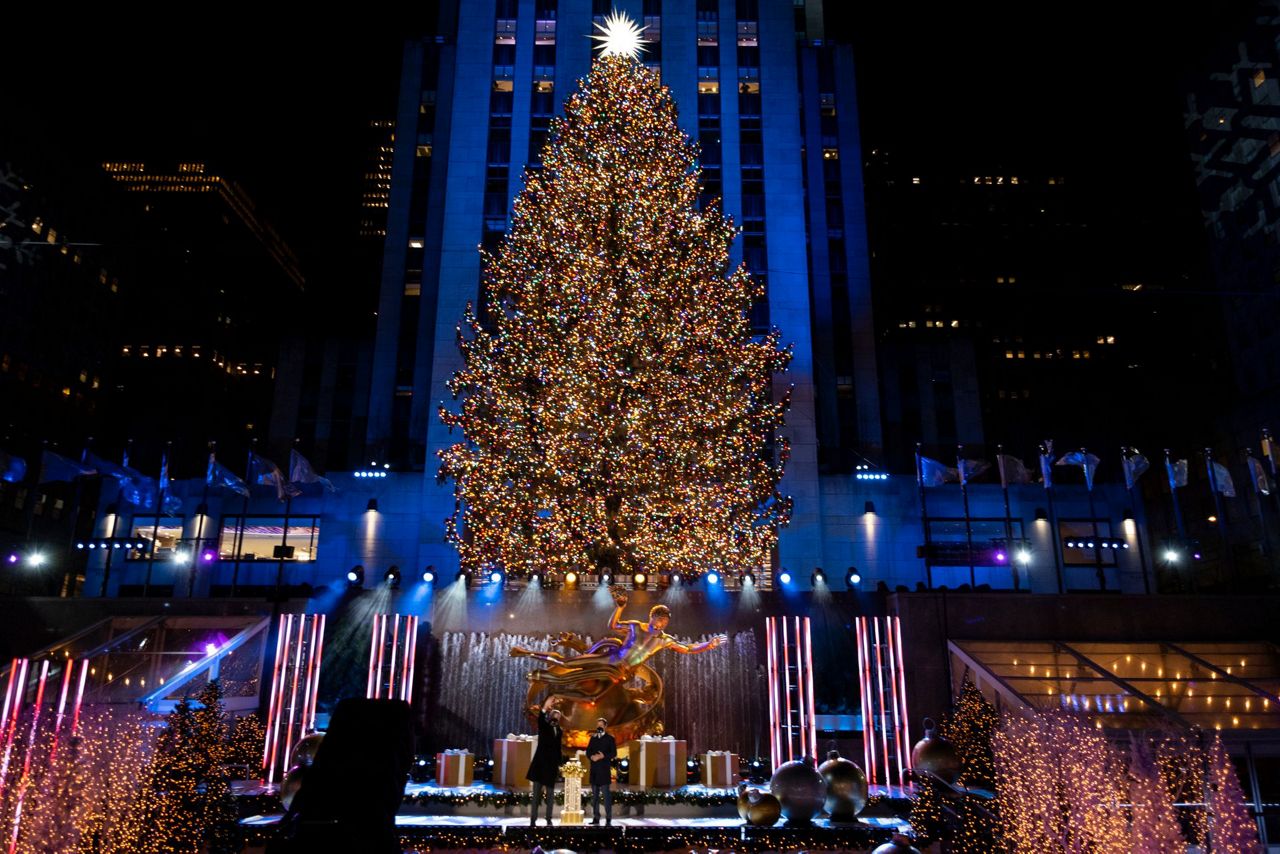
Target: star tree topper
619, 36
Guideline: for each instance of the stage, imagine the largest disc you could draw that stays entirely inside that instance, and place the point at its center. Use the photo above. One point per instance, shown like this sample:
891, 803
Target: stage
484, 816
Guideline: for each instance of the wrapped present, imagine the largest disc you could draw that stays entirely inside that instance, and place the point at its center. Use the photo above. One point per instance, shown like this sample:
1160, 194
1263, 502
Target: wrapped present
719, 769
658, 763
455, 768
511, 758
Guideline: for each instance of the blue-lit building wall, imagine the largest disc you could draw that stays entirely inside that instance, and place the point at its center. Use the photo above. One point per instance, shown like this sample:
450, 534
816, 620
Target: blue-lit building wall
774, 110
876, 526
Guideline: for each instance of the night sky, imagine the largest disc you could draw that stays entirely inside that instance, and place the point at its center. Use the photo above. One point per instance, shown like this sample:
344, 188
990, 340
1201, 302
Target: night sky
1080, 89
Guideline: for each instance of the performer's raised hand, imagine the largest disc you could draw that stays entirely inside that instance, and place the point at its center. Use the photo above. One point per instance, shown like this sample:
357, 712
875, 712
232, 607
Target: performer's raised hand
619, 596
717, 640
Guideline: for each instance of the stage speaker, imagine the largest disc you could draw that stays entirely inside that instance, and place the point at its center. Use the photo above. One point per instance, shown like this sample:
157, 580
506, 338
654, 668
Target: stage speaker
351, 793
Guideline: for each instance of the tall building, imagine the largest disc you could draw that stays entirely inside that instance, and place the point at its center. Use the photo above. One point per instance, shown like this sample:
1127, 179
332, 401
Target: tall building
1011, 308
773, 108
1233, 132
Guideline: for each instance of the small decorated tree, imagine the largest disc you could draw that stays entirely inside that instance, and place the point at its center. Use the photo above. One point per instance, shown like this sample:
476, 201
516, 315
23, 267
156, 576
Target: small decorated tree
970, 729
186, 803
1231, 829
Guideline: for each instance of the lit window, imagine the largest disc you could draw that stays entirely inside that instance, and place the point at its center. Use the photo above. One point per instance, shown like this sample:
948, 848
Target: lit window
1036, 355
1101, 339
955, 324
1075, 354
260, 536
415, 243
708, 87
1022, 354
66, 391
165, 533
503, 85
413, 289
1013, 280
915, 180
830, 154
1086, 354
1013, 180
999, 280
1111, 339
1259, 78
911, 324
1008, 354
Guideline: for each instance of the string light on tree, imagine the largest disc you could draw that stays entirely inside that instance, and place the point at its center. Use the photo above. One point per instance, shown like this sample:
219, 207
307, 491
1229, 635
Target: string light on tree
617, 410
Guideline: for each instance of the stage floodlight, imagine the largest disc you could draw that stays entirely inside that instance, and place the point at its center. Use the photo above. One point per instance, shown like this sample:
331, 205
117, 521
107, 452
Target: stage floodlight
535, 579
713, 578
392, 577
462, 578
372, 506
818, 578
495, 577
355, 576
748, 579
784, 577
571, 578
429, 575
639, 579
852, 578
35, 559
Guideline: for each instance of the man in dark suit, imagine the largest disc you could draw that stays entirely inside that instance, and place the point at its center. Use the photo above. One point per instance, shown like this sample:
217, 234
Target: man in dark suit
544, 770
601, 750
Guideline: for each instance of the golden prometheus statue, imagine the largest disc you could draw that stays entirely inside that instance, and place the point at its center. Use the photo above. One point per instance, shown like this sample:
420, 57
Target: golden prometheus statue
609, 678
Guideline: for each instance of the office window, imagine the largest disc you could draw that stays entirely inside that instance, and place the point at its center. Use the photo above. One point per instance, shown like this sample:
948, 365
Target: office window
256, 537
165, 533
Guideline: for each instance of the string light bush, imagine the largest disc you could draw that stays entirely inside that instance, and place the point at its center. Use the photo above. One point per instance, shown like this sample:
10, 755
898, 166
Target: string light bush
617, 409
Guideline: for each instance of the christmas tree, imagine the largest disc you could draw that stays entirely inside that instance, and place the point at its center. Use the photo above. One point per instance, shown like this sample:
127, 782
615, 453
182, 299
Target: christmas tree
970, 729
617, 411
1232, 830
186, 803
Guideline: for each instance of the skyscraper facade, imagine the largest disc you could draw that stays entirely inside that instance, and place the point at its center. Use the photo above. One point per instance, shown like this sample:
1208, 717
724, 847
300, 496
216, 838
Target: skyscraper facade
772, 107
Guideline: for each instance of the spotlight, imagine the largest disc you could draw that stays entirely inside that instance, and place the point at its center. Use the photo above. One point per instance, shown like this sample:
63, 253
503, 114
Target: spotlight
210, 648
355, 576
208, 556
818, 577
535, 579
1127, 516
748, 579
713, 578
495, 577
428, 575
35, 559
12, 558
1001, 556
1042, 515
606, 579
180, 556
677, 578
784, 577
571, 577
392, 577
91, 545
1024, 556
852, 578
869, 508
462, 578
372, 507
1171, 555
639, 579
81, 545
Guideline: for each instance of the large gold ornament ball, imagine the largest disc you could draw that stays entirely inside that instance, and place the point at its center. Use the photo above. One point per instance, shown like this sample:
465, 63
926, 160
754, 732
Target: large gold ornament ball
800, 789
936, 755
757, 808
899, 845
291, 784
846, 787
304, 752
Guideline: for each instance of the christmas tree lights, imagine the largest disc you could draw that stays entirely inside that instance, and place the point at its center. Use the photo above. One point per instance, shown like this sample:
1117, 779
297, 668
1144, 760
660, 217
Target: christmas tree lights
617, 412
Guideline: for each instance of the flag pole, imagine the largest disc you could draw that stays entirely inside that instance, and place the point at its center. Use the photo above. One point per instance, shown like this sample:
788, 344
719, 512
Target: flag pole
968, 526
924, 521
204, 521
1222, 516
162, 489
1129, 481
1250, 461
115, 520
244, 515
1177, 505
68, 577
1269, 451
1046, 460
284, 533
1098, 568
1008, 520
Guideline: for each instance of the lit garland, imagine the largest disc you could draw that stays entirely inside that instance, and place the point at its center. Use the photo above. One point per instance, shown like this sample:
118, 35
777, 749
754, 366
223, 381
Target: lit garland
616, 408
1059, 784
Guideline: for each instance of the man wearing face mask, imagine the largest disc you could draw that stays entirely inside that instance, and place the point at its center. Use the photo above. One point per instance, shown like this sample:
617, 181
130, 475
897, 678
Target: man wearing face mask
601, 750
